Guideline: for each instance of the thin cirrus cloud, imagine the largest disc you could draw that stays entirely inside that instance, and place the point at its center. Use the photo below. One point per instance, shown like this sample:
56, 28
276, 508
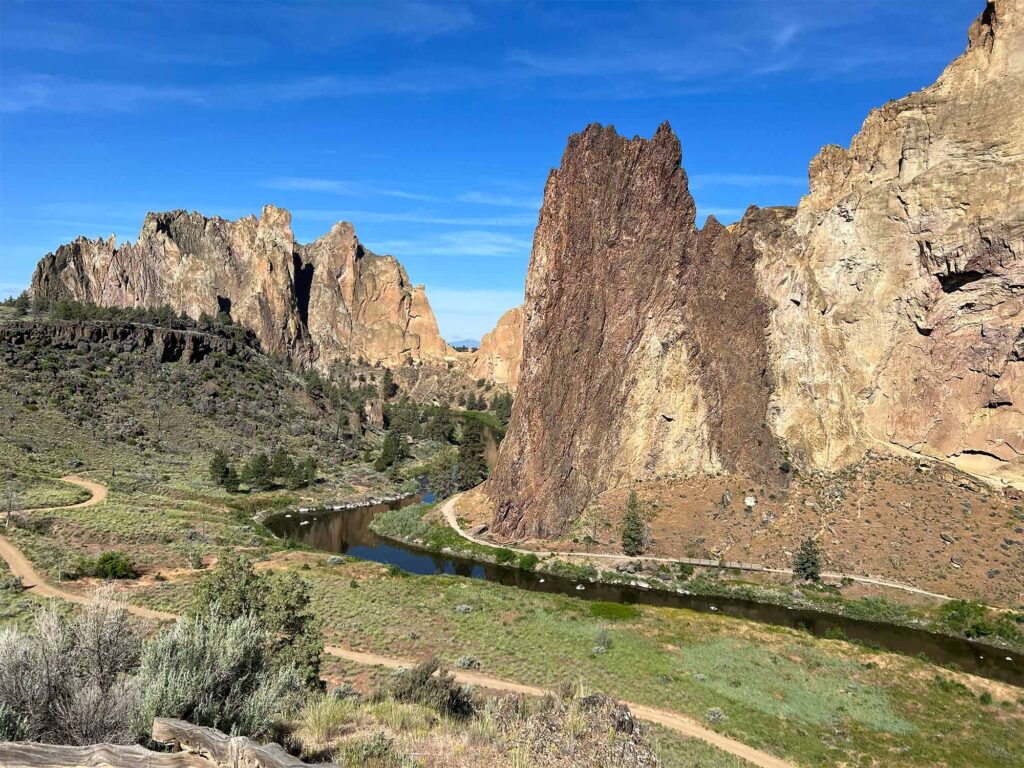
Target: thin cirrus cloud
364, 189
413, 217
341, 187
474, 243
11, 289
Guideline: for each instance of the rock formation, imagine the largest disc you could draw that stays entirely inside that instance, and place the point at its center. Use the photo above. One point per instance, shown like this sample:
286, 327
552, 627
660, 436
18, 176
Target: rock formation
887, 308
501, 351
314, 304
168, 345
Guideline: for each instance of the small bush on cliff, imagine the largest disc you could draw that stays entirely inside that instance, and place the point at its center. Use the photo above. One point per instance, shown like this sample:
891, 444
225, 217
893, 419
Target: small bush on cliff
633, 528
807, 561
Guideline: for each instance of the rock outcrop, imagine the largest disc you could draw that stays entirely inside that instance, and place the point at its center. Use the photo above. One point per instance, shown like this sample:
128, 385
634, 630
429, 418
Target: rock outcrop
501, 351
888, 307
314, 304
168, 345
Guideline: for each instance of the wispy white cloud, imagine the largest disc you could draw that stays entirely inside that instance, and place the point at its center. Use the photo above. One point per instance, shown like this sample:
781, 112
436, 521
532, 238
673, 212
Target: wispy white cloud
11, 289
336, 186
478, 243
413, 217
22, 93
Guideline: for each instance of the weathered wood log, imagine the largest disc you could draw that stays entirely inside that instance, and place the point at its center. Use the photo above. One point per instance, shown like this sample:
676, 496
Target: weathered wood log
14, 754
224, 750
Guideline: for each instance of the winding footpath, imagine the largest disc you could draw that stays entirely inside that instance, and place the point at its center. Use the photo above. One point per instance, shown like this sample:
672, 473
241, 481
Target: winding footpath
448, 510
685, 726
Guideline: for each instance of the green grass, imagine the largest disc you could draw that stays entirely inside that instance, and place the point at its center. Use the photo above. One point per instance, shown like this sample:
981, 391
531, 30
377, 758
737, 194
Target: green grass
821, 702
820, 688
677, 751
614, 611
41, 492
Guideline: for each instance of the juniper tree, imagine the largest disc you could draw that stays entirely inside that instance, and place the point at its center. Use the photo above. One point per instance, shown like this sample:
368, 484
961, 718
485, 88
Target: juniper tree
633, 527
807, 561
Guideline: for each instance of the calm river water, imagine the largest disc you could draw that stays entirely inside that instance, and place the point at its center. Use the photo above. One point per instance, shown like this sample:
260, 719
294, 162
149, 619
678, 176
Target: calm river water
348, 532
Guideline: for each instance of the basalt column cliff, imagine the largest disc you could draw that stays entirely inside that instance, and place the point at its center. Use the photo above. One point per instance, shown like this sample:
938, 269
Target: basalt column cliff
886, 309
314, 304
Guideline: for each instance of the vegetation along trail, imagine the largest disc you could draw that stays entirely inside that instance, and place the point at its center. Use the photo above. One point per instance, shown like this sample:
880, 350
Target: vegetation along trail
20, 566
448, 510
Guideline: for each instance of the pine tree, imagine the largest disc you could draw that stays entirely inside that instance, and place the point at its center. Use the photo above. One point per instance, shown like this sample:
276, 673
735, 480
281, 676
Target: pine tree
388, 388
501, 404
219, 467
807, 561
256, 473
231, 480
391, 452
472, 464
281, 466
633, 527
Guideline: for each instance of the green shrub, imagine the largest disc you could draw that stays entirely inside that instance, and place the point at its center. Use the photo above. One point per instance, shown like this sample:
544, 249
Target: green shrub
114, 565
279, 603
218, 672
503, 555
431, 686
966, 616
528, 562
109, 565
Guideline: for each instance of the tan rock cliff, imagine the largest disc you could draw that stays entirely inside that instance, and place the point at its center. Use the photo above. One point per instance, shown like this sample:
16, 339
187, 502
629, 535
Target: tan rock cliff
887, 307
501, 351
314, 303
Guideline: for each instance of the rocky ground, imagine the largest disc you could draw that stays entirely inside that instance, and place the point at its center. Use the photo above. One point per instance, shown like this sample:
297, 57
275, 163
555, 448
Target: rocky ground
918, 523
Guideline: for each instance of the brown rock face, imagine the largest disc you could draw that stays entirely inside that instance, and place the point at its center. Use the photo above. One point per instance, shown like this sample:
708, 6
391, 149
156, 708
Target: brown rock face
888, 307
314, 304
609, 389
501, 351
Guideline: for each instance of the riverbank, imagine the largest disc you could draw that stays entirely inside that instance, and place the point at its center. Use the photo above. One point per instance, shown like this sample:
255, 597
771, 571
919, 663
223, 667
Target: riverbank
425, 527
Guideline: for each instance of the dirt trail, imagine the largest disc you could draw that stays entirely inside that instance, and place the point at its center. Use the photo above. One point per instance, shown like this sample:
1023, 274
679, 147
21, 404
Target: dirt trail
99, 493
676, 722
448, 510
32, 579
20, 566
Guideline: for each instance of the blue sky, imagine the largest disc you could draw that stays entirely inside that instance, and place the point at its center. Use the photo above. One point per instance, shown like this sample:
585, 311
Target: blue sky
431, 126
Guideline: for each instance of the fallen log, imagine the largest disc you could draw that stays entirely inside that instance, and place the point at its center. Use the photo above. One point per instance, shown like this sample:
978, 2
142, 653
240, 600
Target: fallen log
20, 754
224, 750
192, 746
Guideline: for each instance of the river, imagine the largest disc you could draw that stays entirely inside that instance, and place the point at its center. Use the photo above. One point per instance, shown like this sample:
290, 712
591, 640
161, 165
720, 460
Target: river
348, 532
